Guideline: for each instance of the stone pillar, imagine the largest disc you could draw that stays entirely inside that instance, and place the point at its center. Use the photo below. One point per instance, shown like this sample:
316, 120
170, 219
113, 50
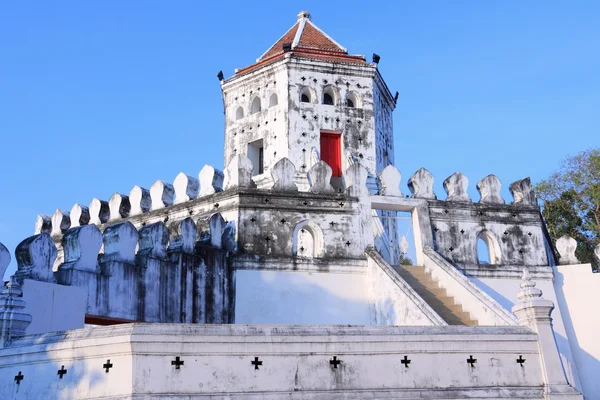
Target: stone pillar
533, 311
13, 321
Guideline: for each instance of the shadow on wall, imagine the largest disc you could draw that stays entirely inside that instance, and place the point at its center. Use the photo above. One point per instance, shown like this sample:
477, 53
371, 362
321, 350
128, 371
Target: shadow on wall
41, 379
298, 297
561, 341
588, 365
501, 299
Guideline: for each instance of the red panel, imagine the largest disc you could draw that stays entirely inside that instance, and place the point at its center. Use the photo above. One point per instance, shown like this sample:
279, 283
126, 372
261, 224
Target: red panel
331, 151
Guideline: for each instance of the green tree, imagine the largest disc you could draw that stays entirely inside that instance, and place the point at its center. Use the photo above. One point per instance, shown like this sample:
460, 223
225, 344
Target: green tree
571, 202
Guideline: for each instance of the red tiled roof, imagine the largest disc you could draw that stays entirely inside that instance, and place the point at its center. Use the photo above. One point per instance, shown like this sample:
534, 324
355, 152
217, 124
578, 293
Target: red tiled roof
313, 43
313, 38
278, 46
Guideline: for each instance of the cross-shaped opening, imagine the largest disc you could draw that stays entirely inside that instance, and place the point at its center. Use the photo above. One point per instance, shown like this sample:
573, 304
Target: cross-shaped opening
107, 366
471, 361
335, 362
19, 378
177, 362
62, 371
521, 360
256, 363
405, 361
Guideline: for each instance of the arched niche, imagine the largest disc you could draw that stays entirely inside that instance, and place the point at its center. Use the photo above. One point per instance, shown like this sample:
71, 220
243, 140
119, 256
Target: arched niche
273, 100
255, 106
307, 240
353, 100
487, 249
239, 113
307, 95
330, 96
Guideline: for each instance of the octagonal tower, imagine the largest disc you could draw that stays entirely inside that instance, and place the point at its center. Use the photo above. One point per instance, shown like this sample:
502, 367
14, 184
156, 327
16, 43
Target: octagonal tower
307, 99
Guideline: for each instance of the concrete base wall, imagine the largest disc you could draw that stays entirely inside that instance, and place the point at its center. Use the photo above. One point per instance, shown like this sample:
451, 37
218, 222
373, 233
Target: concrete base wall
294, 363
301, 297
578, 295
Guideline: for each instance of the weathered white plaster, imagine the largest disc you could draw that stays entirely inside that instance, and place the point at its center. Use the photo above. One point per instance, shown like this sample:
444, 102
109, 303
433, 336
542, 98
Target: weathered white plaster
456, 187
421, 184
489, 189
295, 363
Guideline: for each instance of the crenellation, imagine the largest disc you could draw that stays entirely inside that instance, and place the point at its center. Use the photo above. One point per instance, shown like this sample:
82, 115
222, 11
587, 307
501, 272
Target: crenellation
186, 188
566, 247
80, 215
99, 212
162, 195
216, 225
211, 181
390, 179
61, 221
522, 192
238, 173
35, 258
489, 189
140, 201
43, 224
120, 242
81, 246
283, 174
456, 188
119, 207
183, 235
319, 178
154, 240
421, 185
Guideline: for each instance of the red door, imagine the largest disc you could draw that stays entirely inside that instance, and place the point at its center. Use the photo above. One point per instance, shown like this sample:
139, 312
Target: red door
331, 151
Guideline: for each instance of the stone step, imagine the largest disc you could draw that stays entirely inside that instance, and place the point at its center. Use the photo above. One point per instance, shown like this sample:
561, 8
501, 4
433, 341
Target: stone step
437, 298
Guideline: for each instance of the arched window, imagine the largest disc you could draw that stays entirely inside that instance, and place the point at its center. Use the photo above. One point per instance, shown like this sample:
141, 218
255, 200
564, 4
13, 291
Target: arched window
307, 240
483, 252
255, 107
352, 100
239, 113
273, 100
329, 96
488, 251
306, 95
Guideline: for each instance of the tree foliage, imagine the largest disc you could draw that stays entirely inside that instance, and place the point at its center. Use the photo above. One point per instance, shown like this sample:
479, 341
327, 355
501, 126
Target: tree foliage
571, 202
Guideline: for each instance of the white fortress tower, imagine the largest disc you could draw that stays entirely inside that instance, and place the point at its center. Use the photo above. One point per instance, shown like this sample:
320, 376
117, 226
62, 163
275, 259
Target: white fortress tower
307, 99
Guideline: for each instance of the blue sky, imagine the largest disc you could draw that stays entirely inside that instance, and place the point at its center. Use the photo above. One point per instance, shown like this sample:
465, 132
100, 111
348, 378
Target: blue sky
96, 97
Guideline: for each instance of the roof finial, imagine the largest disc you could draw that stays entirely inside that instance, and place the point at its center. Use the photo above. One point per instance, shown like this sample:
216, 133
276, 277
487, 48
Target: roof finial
303, 14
